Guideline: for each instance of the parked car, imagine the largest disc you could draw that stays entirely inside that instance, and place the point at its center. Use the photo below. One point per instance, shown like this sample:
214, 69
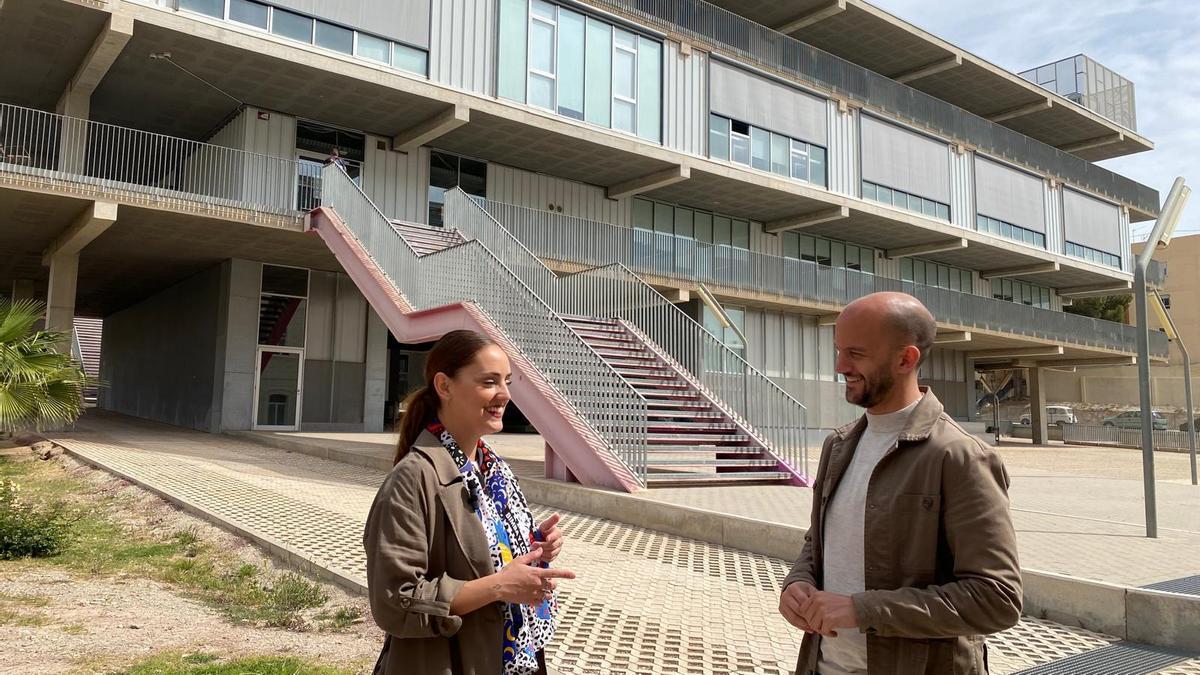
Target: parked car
1133, 420
1055, 414
1195, 423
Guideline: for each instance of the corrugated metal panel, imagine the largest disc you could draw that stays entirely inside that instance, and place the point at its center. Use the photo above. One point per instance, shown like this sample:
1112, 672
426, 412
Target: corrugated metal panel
462, 44
773, 337
962, 189
756, 347
1126, 241
1091, 222
1010, 195
403, 20
538, 191
233, 134
1054, 220
274, 136
767, 104
762, 242
825, 353
905, 160
685, 99
792, 347
809, 328
888, 268
843, 155
397, 181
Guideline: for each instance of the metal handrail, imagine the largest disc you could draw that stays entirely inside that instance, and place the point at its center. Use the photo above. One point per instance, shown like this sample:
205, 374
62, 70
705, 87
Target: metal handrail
722, 31
768, 412
614, 409
115, 158
581, 241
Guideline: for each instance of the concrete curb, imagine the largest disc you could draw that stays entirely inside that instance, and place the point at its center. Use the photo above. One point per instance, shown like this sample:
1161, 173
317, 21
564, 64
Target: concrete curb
1153, 617
284, 553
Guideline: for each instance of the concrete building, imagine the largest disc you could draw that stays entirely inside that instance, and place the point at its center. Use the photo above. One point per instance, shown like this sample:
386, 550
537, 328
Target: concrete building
756, 165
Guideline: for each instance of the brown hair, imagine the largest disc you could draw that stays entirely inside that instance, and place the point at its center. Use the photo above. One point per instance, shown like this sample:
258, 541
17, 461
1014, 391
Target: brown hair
454, 351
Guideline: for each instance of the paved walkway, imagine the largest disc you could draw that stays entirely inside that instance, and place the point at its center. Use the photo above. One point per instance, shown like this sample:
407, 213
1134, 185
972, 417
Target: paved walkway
1078, 510
644, 602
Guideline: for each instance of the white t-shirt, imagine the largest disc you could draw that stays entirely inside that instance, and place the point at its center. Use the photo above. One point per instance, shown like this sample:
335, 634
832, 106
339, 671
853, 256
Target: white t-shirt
845, 556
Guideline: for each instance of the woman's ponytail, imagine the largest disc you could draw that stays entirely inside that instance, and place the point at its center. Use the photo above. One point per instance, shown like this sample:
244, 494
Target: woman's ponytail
420, 408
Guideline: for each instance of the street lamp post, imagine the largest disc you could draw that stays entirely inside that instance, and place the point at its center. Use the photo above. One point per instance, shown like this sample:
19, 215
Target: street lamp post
1159, 236
1164, 318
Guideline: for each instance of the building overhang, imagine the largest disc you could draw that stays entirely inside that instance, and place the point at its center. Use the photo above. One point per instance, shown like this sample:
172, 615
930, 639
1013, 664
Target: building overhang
875, 39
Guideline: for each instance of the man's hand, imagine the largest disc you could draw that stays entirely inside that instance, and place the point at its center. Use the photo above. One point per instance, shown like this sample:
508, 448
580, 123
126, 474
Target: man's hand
827, 612
792, 600
552, 539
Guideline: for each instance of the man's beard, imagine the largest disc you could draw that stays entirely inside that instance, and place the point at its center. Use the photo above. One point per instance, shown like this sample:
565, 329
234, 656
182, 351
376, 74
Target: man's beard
875, 388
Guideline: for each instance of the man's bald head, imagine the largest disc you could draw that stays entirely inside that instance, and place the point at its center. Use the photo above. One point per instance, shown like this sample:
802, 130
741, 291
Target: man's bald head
899, 314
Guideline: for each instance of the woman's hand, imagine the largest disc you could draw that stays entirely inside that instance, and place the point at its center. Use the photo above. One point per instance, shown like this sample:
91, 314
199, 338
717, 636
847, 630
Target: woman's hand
523, 582
552, 539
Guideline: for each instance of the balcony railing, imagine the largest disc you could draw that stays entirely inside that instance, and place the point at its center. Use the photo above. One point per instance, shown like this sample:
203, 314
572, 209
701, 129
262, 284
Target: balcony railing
575, 240
105, 158
734, 35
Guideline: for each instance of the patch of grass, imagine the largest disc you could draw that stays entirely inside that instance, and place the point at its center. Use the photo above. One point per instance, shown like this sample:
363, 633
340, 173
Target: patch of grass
74, 629
14, 617
30, 528
24, 600
200, 658
174, 664
343, 618
100, 546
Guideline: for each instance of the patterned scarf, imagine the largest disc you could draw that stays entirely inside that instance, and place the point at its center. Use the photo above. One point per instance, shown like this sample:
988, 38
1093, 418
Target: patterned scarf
511, 531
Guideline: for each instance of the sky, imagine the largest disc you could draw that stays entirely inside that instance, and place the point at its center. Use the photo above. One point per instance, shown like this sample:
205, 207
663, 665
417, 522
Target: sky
1154, 43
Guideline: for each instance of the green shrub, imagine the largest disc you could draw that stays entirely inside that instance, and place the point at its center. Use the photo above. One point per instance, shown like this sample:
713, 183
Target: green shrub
30, 530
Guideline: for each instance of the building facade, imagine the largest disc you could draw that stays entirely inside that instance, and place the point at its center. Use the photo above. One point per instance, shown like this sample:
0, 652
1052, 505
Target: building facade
158, 157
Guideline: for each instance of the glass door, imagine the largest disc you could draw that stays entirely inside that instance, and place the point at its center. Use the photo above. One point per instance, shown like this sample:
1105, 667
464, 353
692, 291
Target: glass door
277, 392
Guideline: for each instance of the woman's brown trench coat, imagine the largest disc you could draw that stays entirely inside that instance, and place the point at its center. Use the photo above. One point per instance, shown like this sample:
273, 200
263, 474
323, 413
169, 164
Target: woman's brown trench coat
423, 542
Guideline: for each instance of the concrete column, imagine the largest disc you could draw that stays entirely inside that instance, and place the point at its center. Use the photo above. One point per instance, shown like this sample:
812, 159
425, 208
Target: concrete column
1037, 406
76, 100
375, 397
972, 397
60, 298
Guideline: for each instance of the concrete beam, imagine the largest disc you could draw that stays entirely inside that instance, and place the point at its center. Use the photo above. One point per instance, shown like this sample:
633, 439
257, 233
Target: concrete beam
94, 220
674, 295
1098, 361
431, 129
1021, 111
76, 100
651, 181
1017, 352
1097, 142
923, 249
1091, 291
1002, 272
802, 220
827, 320
953, 61
812, 16
952, 338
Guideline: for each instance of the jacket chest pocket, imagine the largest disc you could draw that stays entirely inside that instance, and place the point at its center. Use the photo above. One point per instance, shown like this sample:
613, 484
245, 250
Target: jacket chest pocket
917, 522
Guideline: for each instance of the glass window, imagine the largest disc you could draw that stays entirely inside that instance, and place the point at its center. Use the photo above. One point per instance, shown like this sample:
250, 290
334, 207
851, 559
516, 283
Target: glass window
643, 214
285, 280
373, 48
883, 194
968, 282
472, 177
867, 259
852, 253
943, 278
791, 245
808, 248
739, 142
741, 234
760, 149
919, 275
412, 60
718, 137
684, 222
335, 38
649, 92
955, 281
512, 50
704, 226
598, 76
943, 211
541, 91
570, 63
249, 13
542, 56
868, 190
213, 8
824, 256
722, 230
281, 320
816, 168
542, 9
906, 269
664, 218
291, 25
799, 160
929, 207
837, 254
780, 154
624, 77
623, 115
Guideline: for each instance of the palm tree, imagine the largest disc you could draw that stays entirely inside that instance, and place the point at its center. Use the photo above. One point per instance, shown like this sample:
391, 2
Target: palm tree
39, 387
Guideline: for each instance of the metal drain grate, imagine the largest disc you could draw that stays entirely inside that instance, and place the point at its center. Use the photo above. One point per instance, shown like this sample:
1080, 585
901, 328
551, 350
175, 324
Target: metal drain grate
1122, 658
1186, 585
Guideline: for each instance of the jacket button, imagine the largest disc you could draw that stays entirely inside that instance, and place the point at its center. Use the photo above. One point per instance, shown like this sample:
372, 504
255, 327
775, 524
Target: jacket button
871, 506
405, 603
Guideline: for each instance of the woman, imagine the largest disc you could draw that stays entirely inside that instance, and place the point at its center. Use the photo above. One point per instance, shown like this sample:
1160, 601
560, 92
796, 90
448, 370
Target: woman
456, 568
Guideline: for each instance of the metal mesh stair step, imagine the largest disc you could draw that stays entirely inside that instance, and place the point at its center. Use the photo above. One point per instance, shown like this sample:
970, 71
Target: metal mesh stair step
647, 374
723, 463
686, 414
669, 450
590, 321
667, 395
695, 440
693, 478
612, 355
669, 426
603, 333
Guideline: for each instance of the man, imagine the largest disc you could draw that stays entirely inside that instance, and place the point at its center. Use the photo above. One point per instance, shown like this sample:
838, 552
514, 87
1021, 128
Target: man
911, 557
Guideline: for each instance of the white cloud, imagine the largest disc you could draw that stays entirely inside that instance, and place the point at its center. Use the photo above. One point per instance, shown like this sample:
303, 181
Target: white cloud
1151, 42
